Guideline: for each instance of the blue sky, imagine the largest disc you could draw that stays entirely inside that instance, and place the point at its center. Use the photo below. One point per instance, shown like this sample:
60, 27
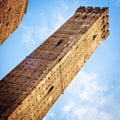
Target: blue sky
94, 92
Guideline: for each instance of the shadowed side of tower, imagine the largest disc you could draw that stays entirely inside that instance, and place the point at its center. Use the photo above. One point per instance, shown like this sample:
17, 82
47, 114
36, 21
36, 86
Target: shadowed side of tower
11, 13
30, 90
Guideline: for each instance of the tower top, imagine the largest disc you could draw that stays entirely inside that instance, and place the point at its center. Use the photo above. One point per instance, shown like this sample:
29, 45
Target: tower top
91, 9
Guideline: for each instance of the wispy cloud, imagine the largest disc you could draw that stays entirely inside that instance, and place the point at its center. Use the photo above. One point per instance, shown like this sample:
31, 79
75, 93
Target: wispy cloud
85, 113
28, 37
33, 36
59, 19
90, 100
68, 107
91, 88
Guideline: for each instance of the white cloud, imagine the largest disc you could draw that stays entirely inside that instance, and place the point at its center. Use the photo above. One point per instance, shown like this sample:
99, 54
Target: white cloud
90, 88
87, 86
28, 37
68, 107
32, 36
59, 20
87, 105
85, 113
43, 32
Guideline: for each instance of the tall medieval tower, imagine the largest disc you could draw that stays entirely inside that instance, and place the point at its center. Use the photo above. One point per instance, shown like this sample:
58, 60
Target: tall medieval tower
29, 90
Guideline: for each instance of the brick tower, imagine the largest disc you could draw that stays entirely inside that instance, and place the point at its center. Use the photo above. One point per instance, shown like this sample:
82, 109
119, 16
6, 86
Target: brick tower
29, 90
11, 13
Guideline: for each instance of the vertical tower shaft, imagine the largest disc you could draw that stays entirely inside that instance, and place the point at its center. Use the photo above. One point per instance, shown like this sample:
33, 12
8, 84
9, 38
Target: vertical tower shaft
29, 90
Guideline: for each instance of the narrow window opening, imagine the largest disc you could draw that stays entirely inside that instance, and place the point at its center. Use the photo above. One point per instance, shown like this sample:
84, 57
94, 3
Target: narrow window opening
21, 6
7, 24
103, 17
51, 88
104, 31
60, 59
94, 37
9, 9
76, 47
103, 22
59, 42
